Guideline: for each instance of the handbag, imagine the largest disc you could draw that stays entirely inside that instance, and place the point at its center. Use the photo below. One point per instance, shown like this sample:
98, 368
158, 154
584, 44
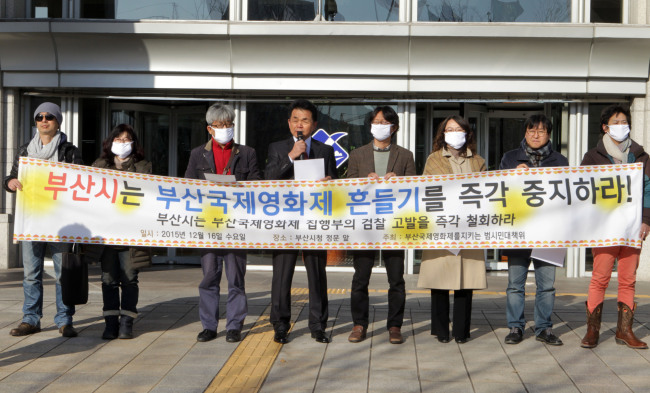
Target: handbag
74, 278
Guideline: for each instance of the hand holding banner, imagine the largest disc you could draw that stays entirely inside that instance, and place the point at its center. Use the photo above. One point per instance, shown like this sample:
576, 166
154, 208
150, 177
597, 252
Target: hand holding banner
592, 206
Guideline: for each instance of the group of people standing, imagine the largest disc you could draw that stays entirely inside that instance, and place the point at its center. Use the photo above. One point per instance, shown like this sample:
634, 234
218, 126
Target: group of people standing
463, 272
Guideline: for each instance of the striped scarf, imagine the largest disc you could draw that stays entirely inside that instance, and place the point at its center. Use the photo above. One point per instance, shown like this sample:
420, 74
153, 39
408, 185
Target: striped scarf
536, 156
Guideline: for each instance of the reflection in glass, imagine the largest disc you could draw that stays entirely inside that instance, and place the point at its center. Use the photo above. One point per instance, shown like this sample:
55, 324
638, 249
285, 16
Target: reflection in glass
97, 9
191, 133
90, 127
333, 10
122, 117
505, 134
594, 128
606, 11
267, 123
282, 9
362, 10
155, 140
494, 10
47, 8
159, 9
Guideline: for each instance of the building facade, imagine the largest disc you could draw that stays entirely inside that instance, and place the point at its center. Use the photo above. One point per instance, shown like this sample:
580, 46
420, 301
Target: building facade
158, 65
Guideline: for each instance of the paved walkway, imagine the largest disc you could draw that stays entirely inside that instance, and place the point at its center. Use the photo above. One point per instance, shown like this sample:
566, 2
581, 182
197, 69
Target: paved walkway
165, 357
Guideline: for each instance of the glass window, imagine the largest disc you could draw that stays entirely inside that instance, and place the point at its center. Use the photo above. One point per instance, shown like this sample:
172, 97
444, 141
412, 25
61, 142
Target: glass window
47, 8
421, 149
494, 10
91, 125
97, 9
267, 123
505, 134
156, 9
282, 9
153, 130
594, 131
361, 10
191, 133
606, 11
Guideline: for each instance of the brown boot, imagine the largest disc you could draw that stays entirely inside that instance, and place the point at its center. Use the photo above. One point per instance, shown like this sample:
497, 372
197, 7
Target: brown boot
590, 340
624, 333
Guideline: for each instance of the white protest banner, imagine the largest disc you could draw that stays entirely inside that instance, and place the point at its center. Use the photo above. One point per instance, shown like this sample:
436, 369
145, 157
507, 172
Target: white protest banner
520, 208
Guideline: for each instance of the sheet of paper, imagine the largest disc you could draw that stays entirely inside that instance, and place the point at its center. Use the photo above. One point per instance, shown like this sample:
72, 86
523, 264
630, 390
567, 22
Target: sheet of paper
454, 251
554, 256
313, 169
220, 178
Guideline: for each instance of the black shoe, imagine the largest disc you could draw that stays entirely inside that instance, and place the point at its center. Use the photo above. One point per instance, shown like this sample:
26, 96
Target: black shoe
460, 340
233, 336
547, 336
320, 336
515, 337
67, 331
206, 335
126, 327
281, 337
443, 339
112, 329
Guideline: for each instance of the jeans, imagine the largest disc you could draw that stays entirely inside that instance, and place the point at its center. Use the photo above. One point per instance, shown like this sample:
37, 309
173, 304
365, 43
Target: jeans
33, 258
544, 297
117, 272
364, 260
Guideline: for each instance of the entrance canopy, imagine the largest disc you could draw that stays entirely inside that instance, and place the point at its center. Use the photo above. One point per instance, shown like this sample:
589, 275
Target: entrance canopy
410, 59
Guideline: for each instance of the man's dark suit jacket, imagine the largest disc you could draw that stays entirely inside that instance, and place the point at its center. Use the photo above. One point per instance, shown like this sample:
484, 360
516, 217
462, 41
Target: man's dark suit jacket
243, 162
280, 167
362, 161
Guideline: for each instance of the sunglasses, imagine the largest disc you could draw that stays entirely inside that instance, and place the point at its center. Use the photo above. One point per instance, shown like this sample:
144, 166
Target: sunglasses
48, 117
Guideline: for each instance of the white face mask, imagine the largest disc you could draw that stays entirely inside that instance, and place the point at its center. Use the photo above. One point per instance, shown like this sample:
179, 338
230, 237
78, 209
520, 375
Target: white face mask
619, 132
455, 139
122, 150
223, 135
380, 132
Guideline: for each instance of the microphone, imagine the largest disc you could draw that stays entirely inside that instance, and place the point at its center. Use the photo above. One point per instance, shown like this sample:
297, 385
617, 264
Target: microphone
299, 137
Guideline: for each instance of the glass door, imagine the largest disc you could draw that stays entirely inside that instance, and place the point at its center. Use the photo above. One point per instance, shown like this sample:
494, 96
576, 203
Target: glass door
189, 132
152, 124
503, 132
168, 133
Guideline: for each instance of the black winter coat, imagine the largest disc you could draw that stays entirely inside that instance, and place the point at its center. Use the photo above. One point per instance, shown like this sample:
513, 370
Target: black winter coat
511, 160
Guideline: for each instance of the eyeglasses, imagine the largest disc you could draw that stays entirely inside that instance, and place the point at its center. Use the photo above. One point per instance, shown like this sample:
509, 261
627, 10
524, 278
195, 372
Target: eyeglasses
536, 131
454, 130
123, 140
48, 117
222, 125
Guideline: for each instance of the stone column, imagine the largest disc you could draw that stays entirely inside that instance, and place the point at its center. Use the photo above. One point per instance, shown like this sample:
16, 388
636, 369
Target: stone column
640, 109
9, 112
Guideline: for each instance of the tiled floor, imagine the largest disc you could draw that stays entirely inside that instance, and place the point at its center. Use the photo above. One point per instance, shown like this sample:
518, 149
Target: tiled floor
165, 356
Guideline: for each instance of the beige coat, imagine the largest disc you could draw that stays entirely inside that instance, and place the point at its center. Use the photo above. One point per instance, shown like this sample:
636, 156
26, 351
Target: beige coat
440, 269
